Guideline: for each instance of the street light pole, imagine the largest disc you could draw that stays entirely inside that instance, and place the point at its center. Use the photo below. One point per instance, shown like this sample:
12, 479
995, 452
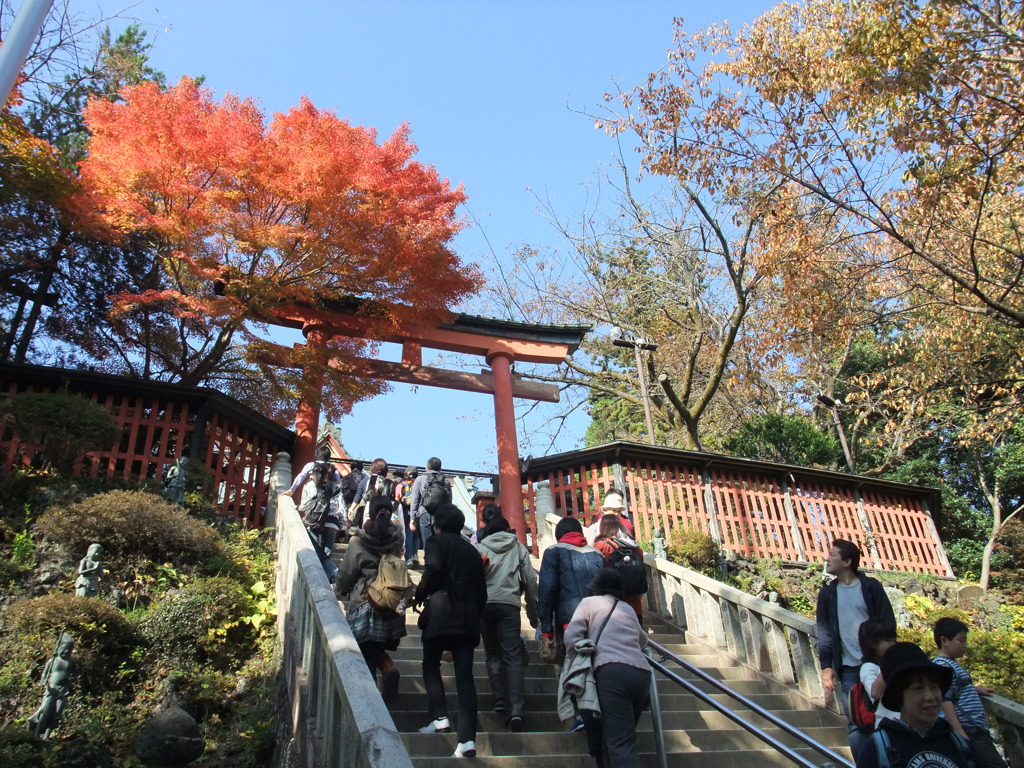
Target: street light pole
638, 345
19, 41
833, 406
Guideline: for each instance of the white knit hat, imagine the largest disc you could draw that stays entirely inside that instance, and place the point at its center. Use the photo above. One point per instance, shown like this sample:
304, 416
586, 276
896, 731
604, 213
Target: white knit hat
613, 501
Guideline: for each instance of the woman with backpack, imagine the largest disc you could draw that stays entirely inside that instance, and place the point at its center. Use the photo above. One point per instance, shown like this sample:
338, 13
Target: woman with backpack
510, 577
617, 545
374, 484
377, 629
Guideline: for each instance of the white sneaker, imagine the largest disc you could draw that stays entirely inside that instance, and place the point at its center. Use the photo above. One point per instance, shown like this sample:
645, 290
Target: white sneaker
441, 725
465, 749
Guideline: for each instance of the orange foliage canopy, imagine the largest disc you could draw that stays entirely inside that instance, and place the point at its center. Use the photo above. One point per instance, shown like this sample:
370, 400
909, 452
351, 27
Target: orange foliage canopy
304, 209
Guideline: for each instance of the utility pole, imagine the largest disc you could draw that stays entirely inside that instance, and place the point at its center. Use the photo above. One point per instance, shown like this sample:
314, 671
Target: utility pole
19, 41
638, 345
833, 406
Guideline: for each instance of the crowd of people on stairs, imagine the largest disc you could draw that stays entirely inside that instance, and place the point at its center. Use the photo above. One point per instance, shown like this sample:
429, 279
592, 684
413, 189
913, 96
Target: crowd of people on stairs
903, 709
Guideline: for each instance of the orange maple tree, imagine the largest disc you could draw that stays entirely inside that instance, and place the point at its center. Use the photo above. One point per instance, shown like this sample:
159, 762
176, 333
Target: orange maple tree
245, 214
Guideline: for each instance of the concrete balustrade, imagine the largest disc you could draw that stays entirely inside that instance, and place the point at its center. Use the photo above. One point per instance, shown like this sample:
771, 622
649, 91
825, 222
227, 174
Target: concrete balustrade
336, 715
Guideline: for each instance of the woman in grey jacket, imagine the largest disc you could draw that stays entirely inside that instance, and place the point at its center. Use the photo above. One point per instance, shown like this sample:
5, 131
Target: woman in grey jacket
621, 670
510, 575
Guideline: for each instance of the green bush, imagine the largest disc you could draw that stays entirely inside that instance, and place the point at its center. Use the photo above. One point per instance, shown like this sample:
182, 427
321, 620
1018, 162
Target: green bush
104, 645
131, 525
693, 549
66, 426
202, 622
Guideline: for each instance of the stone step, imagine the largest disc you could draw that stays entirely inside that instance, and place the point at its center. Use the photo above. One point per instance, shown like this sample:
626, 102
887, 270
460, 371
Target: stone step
412, 678
411, 664
564, 743
542, 720
411, 699
764, 758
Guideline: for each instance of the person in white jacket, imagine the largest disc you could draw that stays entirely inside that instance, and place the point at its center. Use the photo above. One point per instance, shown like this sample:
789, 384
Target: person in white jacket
510, 577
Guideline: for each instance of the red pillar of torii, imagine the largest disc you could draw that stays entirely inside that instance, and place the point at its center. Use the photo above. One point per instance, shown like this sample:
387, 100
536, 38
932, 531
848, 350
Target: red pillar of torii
501, 343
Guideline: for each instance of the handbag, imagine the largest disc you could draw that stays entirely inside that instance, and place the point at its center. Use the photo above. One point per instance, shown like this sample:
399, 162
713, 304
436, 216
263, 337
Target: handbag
438, 604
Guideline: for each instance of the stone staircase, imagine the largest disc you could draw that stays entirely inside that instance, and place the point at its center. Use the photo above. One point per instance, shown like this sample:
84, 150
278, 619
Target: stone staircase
695, 736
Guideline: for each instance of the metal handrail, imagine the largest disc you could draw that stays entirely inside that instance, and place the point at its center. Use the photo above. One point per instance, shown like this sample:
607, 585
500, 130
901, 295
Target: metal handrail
774, 743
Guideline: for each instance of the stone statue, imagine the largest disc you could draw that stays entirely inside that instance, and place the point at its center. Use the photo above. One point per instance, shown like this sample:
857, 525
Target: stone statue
57, 681
174, 483
89, 570
658, 544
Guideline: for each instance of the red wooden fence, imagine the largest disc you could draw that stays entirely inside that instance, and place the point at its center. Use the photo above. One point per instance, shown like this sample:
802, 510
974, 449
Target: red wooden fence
161, 423
751, 507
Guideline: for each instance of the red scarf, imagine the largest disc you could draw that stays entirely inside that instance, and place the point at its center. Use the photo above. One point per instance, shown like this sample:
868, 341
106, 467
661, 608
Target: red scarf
576, 539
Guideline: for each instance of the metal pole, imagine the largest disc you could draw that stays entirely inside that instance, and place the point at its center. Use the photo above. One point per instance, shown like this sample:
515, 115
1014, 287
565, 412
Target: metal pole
19, 41
643, 393
656, 722
833, 406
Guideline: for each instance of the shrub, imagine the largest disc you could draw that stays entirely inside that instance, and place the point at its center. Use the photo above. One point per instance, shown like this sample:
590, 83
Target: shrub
130, 525
693, 549
200, 622
104, 644
66, 426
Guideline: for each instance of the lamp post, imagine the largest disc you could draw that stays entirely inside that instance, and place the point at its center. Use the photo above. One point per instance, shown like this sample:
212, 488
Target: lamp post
833, 406
639, 344
18, 44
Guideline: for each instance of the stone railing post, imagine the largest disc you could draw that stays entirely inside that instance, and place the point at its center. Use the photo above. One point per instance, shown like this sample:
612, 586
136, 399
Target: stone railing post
280, 481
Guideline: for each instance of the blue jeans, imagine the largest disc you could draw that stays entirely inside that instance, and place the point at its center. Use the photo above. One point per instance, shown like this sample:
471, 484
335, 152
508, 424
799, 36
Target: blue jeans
851, 675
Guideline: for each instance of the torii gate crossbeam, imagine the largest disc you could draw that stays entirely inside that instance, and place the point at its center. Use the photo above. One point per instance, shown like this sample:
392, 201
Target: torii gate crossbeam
499, 342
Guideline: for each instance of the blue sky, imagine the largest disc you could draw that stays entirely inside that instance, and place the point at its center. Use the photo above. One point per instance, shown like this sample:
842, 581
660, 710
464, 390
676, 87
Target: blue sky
491, 91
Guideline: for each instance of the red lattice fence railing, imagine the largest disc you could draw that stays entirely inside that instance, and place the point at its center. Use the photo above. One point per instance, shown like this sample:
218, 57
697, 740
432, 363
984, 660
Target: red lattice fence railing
751, 507
159, 424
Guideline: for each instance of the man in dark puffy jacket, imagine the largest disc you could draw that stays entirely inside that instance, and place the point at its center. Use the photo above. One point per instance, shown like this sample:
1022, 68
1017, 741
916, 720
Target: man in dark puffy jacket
565, 572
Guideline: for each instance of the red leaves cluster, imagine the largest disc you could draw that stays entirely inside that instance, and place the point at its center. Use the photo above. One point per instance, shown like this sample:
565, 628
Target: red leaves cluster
307, 207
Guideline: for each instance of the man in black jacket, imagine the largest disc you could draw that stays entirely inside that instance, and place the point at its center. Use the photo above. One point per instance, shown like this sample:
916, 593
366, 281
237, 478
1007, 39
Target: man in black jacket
454, 588
850, 599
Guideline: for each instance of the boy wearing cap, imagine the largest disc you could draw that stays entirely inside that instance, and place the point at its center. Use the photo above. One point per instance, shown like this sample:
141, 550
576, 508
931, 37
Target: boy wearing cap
962, 704
914, 687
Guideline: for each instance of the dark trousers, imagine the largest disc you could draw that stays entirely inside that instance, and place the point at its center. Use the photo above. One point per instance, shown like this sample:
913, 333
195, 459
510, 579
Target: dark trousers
984, 749
506, 655
623, 692
465, 687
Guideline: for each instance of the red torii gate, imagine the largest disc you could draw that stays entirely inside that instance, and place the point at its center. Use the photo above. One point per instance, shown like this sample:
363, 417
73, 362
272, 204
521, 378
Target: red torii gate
500, 342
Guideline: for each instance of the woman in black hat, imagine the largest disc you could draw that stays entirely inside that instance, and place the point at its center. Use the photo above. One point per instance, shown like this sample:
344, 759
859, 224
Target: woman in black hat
914, 687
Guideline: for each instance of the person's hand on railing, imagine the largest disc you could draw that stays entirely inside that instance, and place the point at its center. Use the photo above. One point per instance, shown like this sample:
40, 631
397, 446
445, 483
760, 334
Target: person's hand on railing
828, 679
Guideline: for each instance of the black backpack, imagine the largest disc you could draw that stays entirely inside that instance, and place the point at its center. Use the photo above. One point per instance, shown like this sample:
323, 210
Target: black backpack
316, 509
435, 492
350, 484
625, 561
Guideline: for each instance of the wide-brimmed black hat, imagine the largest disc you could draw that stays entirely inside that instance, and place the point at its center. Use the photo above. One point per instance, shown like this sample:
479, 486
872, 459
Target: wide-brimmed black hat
903, 660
